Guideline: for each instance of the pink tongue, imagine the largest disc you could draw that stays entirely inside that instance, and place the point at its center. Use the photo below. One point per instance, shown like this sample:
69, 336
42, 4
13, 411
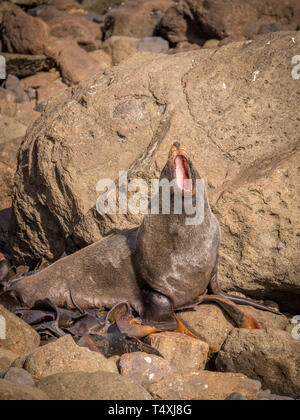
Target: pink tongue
183, 181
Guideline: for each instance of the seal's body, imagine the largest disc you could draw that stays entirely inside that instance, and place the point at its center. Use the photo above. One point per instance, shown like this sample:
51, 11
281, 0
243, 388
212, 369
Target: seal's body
99, 276
160, 266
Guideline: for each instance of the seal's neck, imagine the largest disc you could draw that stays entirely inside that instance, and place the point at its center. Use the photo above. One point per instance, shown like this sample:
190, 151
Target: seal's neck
187, 204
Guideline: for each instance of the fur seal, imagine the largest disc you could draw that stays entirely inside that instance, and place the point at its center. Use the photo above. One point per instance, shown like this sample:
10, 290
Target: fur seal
162, 266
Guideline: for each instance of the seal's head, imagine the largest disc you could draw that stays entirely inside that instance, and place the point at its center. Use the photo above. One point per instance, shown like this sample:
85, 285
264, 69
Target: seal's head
181, 169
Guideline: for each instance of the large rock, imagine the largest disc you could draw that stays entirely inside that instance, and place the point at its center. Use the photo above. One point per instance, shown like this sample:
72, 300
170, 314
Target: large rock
13, 392
18, 376
92, 386
6, 6
103, 6
143, 368
221, 106
155, 5
68, 26
10, 128
203, 386
129, 20
74, 63
198, 20
260, 222
22, 113
12, 86
64, 356
70, 6
187, 354
7, 358
100, 6
210, 323
104, 59
120, 47
45, 93
23, 34
272, 357
20, 337
39, 80
154, 44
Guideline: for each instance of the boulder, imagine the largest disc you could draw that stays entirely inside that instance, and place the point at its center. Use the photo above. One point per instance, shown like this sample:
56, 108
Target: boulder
23, 34
20, 112
63, 356
12, 86
7, 358
154, 44
143, 368
185, 46
235, 396
187, 354
155, 5
212, 43
70, 6
270, 27
103, 6
260, 223
210, 323
199, 20
39, 80
68, 26
74, 63
100, 6
267, 396
221, 106
23, 65
10, 129
20, 337
14, 392
271, 356
18, 376
6, 6
94, 17
120, 47
104, 59
91, 386
129, 20
50, 91
203, 386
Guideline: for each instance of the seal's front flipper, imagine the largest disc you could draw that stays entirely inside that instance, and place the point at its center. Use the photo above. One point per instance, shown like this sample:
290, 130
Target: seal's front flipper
122, 316
173, 325
159, 313
133, 327
242, 318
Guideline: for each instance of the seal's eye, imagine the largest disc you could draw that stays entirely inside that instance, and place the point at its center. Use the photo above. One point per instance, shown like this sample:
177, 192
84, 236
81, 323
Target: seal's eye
182, 171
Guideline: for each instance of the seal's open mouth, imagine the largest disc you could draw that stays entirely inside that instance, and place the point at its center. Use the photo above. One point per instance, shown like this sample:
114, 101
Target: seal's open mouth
183, 173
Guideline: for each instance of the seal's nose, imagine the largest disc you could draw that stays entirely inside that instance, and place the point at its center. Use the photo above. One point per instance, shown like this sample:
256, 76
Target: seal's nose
176, 144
